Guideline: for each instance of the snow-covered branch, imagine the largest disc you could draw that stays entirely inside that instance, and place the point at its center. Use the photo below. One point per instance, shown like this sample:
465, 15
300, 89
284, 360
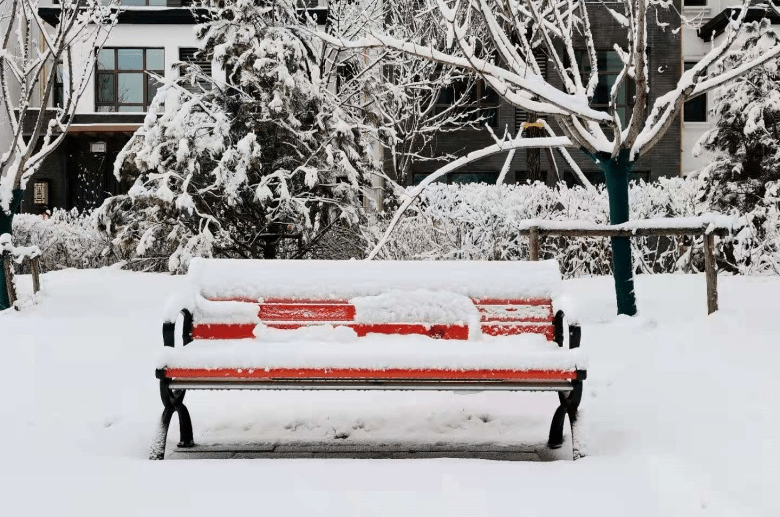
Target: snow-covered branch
499, 147
29, 72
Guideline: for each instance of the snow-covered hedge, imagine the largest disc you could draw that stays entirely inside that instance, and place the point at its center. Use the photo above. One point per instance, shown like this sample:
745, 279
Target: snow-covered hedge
478, 221
67, 239
474, 222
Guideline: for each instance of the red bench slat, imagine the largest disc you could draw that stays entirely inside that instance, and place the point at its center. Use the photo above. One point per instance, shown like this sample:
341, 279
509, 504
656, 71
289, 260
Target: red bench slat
514, 313
512, 301
223, 331
497, 319
366, 373
306, 312
244, 330
509, 329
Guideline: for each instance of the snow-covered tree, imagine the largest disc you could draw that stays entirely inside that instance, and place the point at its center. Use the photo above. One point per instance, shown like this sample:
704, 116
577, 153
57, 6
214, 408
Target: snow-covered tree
410, 100
613, 137
418, 100
746, 136
264, 154
34, 58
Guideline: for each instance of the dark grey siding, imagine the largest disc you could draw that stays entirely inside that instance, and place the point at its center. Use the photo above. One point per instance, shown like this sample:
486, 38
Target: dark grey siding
664, 160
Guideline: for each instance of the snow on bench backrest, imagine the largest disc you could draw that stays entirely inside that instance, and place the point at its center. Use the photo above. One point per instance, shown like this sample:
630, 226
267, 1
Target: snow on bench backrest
444, 299
252, 280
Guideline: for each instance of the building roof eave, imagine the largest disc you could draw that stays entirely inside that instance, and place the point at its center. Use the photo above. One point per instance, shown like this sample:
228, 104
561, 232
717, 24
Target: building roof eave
717, 25
163, 15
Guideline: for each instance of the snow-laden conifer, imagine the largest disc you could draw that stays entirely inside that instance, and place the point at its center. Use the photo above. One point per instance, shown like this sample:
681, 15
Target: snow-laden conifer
746, 136
265, 153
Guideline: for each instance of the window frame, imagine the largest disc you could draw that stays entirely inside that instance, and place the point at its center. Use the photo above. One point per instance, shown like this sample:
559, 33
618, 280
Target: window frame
489, 176
689, 105
479, 103
58, 99
114, 73
204, 65
145, 3
629, 83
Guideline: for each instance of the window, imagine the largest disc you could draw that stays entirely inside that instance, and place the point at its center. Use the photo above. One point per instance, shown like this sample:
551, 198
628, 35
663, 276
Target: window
187, 55
481, 98
158, 3
152, 3
460, 177
59, 87
695, 110
609, 66
522, 116
122, 83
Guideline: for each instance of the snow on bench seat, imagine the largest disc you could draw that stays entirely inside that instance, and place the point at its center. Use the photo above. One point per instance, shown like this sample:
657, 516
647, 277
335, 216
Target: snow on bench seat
341, 348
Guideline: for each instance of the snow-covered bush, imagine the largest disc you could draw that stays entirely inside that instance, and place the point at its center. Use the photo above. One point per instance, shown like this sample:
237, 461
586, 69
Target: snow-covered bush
67, 239
479, 221
224, 171
745, 138
756, 248
465, 222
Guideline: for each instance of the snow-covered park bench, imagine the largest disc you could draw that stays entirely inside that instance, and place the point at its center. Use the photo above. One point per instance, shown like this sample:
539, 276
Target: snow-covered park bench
361, 325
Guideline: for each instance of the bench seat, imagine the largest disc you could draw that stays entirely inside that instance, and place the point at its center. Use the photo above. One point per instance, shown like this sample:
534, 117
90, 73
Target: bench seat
385, 360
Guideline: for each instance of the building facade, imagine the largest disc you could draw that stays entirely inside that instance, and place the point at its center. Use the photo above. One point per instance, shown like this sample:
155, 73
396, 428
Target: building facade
152, 35
708, 21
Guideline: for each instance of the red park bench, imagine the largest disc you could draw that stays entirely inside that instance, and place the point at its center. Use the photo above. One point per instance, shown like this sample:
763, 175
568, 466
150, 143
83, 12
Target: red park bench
360, 325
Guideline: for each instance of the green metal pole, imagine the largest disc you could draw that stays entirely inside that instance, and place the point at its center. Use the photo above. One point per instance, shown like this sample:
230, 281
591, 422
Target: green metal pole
616, 172
6, 226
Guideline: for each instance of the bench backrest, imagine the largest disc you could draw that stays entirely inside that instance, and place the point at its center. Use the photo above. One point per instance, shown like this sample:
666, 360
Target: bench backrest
445, 300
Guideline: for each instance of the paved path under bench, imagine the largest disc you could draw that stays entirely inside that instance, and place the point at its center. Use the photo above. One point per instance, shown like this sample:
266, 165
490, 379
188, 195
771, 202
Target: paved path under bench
521, 452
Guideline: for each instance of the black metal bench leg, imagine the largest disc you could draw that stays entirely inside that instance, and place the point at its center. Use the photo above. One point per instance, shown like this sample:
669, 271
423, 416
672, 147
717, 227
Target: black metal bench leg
173, 402
574, 420
185, 425
569, 404
556, 427
158, 446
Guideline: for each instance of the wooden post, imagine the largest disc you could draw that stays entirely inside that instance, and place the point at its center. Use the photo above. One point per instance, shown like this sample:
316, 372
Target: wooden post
35, 268
711, 273
9, 279
533, 244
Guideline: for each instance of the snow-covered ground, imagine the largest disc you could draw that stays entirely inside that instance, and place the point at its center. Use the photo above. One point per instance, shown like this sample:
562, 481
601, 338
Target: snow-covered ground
682, 410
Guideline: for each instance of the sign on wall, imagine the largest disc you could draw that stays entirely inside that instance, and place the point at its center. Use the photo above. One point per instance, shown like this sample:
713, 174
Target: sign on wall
41, 192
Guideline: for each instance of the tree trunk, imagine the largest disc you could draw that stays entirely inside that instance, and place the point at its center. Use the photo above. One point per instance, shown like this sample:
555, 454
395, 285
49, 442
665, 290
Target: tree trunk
6, 221
533, 156
616, 172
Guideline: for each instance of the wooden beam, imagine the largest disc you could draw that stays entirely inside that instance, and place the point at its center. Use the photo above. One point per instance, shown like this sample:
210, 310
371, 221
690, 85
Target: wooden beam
711, 273
533, 244
606, 231
9, 278
535, 233
103, 128
35, 267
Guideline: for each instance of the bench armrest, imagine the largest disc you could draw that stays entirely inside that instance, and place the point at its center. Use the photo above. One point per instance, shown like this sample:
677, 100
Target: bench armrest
169, 330
575, 332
